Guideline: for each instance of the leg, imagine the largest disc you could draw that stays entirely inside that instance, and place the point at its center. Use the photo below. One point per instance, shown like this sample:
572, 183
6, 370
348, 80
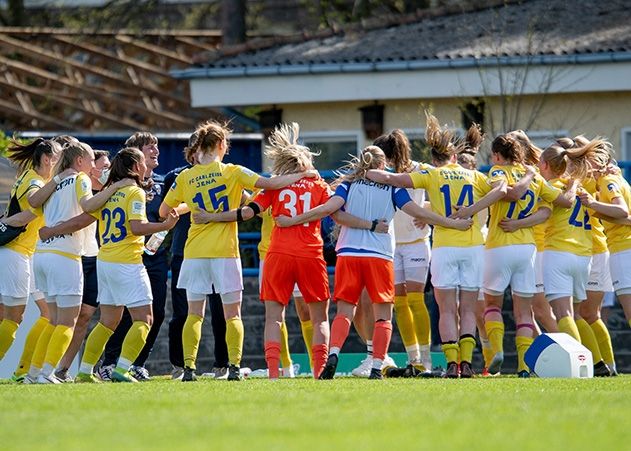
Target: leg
13, 316
192, 330
115, 343
422, 323
405, 322
319, 314
95, 344
339, 332
382, 333
562, 309
234, 328
590, 310
62, 335
80, 332
522, 309
494, 325
135, 340
306, 325
180, 312
543, 313
39, 354
274, 312
448, 326
466, 343
31, 339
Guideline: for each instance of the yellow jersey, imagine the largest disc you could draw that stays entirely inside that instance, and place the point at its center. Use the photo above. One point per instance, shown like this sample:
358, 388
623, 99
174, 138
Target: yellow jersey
569, 229
214, 187
538, 190
118, 244
449, 186
599, 239
539, 232
266, 232
611, 187
25, 242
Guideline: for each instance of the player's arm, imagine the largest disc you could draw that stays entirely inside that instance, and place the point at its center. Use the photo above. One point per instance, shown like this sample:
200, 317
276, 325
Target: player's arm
143, 227
354, 222
240, 214
540, 216
328, 208
19, 219
619, 221
92, 203
516, 191
402, 180
566, 198
497, 193
38, 197
429, 217
617, 209
281, 181
71, 225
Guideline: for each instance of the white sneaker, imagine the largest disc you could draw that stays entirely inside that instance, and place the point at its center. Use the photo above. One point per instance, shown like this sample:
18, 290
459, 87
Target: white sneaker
29, 380
258, 373
176, 373
289, 372
363, 370
105, 373
388, 361
44, 379
220, 373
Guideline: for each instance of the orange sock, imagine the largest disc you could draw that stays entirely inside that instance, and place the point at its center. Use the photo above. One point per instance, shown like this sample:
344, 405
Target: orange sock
381, 339
272, 357
339, 331
320, 353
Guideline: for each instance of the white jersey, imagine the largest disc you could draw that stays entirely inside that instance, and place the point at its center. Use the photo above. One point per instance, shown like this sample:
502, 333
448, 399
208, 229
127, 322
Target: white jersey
62, 205
404, 229
369, 200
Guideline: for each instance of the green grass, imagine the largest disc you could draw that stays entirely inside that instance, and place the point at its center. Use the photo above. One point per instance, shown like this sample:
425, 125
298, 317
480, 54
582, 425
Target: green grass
346, 414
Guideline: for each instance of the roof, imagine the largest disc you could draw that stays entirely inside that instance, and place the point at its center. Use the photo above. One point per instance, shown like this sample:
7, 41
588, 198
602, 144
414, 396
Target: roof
535, 28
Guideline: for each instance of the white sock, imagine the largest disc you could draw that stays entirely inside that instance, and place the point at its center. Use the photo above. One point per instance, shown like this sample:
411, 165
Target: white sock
47, 370
426, 356
123, 364
377, 363
34, 371
334, 351
414, 353
86, 368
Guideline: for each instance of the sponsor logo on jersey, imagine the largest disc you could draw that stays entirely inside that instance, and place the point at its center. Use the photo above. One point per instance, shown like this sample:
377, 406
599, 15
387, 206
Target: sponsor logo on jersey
137, 207
612, 187
497, 173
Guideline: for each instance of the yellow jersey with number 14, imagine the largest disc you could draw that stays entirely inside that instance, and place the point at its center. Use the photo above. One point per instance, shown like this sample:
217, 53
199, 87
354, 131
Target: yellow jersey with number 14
538, 190
611, 187
449, 186
25, 242
214, 187
569, 229
118, 244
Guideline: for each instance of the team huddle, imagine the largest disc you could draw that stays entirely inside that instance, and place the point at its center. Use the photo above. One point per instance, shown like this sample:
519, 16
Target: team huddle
554, 225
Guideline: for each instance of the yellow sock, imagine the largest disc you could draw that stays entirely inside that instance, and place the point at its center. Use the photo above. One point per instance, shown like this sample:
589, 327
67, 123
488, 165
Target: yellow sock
495, 332
234, 340
405, 322
94, 346
604, 341
488, 354
451, 351
522, 344
191, 336
422, 325
589, 339
132, 345
307, 335
467, 344
42, 346
59, 342
568, 326
285, 357
8, 329
29, 345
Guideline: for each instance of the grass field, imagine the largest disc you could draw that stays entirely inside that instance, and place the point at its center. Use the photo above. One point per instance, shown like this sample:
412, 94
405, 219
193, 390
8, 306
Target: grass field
346, 414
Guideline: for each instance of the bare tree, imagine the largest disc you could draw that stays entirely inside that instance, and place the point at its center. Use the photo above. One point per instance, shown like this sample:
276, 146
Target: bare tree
15, 16
233, 21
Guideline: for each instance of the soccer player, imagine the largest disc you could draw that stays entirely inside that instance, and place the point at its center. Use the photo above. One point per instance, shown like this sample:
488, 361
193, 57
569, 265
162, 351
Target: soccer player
122, 278
457, 255
509, 257
411, 261
365, 257
35, 161
215, 187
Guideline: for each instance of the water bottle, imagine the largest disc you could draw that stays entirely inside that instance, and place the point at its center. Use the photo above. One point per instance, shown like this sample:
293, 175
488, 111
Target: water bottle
152, 245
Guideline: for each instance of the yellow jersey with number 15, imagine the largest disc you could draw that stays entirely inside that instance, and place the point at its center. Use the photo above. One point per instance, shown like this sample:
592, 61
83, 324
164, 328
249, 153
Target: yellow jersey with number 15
449, 186
538, 190
118, 244
214, 187
611, 187
25, 242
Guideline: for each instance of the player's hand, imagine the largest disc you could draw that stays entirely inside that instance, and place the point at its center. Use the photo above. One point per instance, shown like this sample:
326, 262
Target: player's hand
171, 219
509, 225
586, 198
383, 226
461, 212
202, 217
461, 224
122, 183
45, 233
530, 170
418, 223
312, 174
284, 221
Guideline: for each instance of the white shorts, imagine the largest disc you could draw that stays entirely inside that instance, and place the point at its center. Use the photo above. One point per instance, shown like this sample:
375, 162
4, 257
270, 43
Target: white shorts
123, 284
539, 286
619, 263
35, 294
565, 274
411, 262
457, 267
199, 275
15, 281
57, 275
296, 293
512, 265
600, 276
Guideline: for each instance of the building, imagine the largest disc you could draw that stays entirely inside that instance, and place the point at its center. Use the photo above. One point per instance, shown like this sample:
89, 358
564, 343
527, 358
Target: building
551, 67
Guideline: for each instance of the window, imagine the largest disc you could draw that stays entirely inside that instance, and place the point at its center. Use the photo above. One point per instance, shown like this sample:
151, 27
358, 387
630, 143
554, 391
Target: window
335, 147
625, 144
543, 138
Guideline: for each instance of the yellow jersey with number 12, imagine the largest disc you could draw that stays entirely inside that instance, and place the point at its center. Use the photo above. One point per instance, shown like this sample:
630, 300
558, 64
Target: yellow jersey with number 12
25, 242
611, 187
118, 244
538, 190
214, 187
449, 186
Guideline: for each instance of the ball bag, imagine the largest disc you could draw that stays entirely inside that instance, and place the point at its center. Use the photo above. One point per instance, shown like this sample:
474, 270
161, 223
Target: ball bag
559, 355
